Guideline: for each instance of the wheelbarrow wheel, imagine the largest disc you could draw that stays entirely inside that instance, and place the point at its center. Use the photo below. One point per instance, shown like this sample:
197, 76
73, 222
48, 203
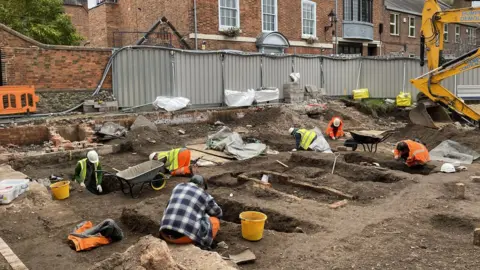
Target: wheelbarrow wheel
159, 182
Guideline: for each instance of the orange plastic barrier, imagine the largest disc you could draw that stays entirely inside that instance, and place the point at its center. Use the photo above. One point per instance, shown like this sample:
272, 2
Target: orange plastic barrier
18, 99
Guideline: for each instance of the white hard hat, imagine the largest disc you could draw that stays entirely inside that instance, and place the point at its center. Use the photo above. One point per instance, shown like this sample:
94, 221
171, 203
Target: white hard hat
336, 122
152, 155
92, 156
447, 168
290, 130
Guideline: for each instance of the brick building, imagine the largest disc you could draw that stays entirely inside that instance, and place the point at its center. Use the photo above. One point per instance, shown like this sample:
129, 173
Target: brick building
367, 27
78, 12
402, 21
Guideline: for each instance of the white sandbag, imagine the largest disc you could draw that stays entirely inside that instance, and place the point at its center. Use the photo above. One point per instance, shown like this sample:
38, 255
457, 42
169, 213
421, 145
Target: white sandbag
320, 144
238, 98
267, 95
171, 104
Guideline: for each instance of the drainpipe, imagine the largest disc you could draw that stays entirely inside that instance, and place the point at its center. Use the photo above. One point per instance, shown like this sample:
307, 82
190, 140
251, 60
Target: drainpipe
336, 32
195, 22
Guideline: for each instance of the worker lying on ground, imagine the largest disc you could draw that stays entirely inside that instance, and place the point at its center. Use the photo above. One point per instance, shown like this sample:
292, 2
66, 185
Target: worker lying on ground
412, 153
177, 161
335, 128
191, 215
88, 173
308, 140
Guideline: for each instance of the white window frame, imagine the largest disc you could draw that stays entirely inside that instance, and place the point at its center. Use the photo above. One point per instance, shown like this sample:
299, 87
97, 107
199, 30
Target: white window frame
445, 32
315, 18
396, 23
471, 36
225, 27
457, 34
410, 26
276, 18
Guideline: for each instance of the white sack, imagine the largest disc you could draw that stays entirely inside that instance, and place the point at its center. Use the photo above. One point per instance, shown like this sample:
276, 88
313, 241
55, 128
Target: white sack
171, 104
239, 99
267, 95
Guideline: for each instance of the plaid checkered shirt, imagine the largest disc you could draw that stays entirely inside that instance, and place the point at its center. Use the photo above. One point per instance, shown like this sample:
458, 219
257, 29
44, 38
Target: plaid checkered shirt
188, 212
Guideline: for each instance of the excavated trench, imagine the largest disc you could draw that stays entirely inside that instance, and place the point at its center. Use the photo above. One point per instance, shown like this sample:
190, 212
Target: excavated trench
276, 221
385, 162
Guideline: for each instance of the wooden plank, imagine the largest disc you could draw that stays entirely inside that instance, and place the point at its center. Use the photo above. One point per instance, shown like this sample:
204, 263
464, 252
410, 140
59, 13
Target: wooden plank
201, 148
11, 258
218, 160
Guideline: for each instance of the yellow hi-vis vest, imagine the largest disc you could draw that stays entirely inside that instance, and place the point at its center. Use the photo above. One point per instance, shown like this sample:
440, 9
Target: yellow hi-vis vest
172, 158
307, 138
83, 172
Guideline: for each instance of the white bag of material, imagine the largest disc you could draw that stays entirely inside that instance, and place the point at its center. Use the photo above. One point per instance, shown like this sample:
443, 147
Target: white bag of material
171, 104
238, 98
294, 77
267, 95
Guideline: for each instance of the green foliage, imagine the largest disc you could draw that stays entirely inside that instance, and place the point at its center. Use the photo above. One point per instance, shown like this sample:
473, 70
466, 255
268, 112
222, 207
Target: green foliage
42, 20
375, 107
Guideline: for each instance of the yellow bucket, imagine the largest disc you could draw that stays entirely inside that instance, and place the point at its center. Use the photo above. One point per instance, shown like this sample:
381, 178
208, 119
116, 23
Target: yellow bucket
253, 224
60, 190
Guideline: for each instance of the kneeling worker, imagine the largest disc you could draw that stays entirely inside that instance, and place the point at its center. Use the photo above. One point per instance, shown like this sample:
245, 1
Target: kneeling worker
413, 153
191, 216
177, 161
303, 138
335, 128
88, 173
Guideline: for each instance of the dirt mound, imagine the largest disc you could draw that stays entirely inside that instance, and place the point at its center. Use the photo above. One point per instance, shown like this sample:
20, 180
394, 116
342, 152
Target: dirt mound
433, 137
149, 253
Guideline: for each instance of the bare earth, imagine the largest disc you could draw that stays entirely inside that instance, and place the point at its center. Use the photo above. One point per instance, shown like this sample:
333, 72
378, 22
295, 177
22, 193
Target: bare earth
398, 220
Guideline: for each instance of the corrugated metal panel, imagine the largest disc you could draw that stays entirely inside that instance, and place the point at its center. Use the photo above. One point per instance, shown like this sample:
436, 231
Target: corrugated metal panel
469, 92
139, 76
310, 71
384, 79
414, 70
340, 76
276, 72
242, 72
198, 77
471, 77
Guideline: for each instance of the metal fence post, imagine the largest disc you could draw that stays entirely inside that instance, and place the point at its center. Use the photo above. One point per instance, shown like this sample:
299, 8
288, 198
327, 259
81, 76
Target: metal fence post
222, 59
172, 74
261, 72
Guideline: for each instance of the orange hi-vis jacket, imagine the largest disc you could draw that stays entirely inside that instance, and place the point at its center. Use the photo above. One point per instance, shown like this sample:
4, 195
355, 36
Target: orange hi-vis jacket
418, 154
331, 129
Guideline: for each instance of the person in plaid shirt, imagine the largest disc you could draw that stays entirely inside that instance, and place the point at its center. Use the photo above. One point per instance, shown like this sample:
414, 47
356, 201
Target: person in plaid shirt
192, 215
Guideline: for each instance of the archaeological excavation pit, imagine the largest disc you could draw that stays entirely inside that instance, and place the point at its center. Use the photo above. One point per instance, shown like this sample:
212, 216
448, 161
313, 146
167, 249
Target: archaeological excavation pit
276, 221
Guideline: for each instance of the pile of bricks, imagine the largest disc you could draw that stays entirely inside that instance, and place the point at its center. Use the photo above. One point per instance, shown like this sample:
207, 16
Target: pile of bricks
91, 106
58, 143
293, 93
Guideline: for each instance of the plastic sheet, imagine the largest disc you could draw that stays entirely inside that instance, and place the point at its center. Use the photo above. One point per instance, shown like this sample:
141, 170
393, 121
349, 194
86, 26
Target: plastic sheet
453, 152
238, 98
231, 143
267, 95
171, 104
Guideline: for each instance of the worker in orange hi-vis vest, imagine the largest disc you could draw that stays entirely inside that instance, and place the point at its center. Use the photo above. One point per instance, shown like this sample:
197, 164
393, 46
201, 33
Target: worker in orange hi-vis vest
412, 153
335, 128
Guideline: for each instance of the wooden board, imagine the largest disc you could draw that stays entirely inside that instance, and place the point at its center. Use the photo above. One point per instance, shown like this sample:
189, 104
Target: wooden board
201, 148
10, 257
218, 160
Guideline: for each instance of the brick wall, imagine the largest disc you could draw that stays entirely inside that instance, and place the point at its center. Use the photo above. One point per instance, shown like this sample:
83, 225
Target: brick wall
57, 69
79, 18
103, 21
9, 39
24, 135
289, 18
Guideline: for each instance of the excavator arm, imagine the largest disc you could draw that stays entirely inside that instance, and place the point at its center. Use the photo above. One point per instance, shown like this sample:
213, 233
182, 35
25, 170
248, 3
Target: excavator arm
433, 21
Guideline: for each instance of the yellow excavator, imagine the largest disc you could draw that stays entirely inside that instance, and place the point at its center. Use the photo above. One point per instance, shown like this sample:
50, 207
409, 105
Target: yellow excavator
435, 101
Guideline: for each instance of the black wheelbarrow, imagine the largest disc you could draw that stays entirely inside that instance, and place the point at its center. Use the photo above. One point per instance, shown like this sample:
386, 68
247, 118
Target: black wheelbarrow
368, 139
146, 173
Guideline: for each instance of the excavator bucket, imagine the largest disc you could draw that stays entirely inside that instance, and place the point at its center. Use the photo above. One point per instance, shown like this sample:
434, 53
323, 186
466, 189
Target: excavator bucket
430, 116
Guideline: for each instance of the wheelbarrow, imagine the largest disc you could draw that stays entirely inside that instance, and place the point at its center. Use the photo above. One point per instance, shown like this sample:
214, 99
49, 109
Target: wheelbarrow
146, 173
368, 139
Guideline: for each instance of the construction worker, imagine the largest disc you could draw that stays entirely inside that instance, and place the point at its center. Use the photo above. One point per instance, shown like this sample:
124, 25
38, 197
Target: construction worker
303, 138
191, 216
335, 128
88, 173
177, 161
413, 153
